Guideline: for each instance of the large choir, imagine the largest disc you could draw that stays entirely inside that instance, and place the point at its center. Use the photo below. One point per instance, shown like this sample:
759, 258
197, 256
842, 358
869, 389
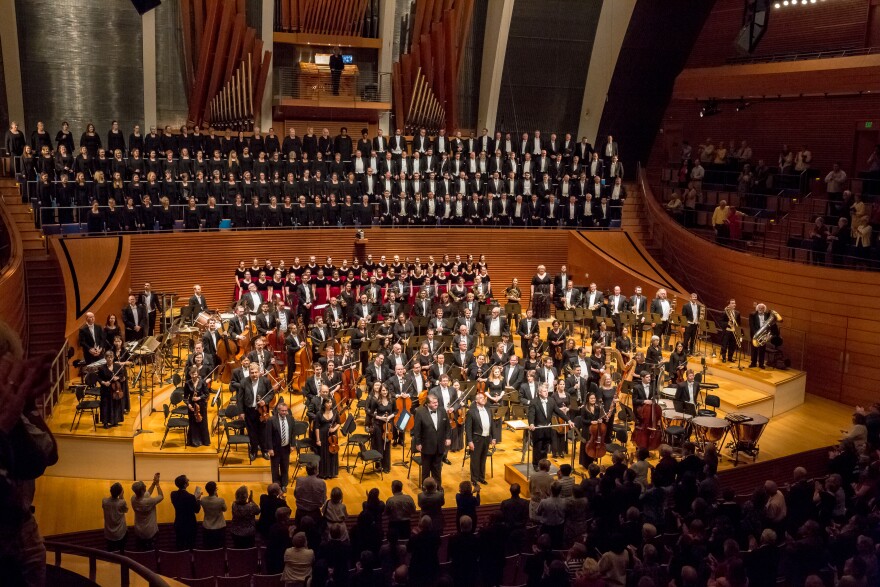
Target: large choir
426, 352
199, 179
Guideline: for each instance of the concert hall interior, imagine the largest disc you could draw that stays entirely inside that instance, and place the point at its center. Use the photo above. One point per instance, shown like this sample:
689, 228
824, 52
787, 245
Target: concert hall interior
280, 279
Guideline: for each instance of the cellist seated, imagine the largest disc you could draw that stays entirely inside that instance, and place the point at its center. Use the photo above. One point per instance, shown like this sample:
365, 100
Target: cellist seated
641, 393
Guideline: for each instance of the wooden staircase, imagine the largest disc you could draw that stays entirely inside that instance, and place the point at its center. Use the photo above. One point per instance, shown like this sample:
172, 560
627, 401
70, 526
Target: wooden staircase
44, 287
635, 220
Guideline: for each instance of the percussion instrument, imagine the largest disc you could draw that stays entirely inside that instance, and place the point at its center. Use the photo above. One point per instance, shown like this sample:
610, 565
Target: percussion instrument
93, 367
673, 418
709, 429
746, 429
668, 392
224, 316
201, 320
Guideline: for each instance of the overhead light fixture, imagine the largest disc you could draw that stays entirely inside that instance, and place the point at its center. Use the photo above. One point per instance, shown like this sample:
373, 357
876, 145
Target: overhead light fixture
709, 108
742, 105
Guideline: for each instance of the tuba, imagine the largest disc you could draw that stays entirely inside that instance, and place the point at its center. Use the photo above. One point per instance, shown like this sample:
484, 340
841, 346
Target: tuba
762, 335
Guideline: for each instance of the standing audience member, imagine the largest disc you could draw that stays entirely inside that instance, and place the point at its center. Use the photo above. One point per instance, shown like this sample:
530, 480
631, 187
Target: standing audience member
269, 503
186, 506
144, 506
115, 528
400, 509
309, 494
214, 524
278, 541
244, 512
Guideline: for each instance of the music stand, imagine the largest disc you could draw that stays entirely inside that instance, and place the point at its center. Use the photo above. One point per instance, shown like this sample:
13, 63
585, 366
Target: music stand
498, 420
140, 430
707, 329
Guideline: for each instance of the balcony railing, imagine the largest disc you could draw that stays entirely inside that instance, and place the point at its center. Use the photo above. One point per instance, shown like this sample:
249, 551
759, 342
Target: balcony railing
316, 84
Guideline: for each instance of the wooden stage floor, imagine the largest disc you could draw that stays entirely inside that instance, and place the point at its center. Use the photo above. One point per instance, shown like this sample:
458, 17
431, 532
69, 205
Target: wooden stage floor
816, 423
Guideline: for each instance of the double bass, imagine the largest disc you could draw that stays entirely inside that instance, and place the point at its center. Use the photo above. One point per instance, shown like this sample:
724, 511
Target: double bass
648, 432
303, 357
227, 352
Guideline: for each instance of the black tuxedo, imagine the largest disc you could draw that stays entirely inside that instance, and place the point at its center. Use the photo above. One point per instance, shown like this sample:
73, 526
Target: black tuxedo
280, 460
759, 352
430, 441
692, 315
524, 328
481, 437
128, 319
513, 376
251, 301
539, 415
200, 302
265, 323
682, 394
87, 341
249, 394
504, 326
152, 306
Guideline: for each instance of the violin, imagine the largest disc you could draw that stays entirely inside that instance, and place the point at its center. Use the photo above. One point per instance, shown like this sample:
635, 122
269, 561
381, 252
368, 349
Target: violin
266, 409
333, 443
116, 384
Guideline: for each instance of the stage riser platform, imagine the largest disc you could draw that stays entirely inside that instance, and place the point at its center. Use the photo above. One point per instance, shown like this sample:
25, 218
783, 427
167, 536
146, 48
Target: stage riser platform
94, 456
202, 466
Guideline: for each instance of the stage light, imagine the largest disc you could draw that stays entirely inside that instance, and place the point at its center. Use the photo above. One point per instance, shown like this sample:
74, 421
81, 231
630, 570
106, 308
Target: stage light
742, 105
777, 5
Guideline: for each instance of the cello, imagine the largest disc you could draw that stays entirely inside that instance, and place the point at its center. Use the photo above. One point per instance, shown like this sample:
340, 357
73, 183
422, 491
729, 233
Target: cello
596, 447
404, 402
303, 358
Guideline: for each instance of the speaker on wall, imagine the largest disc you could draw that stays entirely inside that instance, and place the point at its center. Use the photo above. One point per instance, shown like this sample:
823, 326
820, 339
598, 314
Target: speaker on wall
144, 6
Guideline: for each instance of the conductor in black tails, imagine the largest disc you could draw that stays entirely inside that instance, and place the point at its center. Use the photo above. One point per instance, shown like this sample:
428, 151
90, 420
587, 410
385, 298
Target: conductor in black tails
431, 436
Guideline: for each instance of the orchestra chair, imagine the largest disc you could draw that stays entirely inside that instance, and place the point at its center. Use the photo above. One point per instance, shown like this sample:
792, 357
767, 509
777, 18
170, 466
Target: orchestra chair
178, 408
209, 563
242, 561
369, 457
299, 433
85, 405
176, 564
242, 581
490, 454
712, 401
511, 568
414, 457
234, 436
174, 423
352, 440
305, 459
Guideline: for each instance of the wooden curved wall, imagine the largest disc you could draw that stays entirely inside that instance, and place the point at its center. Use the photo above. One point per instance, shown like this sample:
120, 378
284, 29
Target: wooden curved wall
838, 310
96, 278
12, 280
617, 258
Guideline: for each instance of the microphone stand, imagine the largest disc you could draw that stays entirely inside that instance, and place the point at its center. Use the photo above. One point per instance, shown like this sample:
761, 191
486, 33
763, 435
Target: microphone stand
139, 379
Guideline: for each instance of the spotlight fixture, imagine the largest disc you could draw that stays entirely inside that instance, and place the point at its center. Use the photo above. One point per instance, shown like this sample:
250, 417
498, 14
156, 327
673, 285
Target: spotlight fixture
794, 3
709, 108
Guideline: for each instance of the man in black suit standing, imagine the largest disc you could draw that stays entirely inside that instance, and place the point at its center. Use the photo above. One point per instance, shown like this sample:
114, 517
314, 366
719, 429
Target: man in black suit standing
306, 300
255, 392
431, 437
134, 316
691, 313
757, 320
197, 300
280, 436
527, 329
150, 301
92, 340
478, 431
638, 306
541, 411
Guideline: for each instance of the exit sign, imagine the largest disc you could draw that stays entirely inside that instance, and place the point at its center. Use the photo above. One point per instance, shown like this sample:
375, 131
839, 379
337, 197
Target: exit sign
869, 124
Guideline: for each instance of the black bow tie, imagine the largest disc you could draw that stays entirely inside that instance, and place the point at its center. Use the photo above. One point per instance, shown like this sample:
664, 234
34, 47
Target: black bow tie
433, 412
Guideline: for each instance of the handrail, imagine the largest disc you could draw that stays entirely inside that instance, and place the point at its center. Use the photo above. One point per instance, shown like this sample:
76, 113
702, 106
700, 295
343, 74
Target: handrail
59, 375
15, 264
777, 57
126, 565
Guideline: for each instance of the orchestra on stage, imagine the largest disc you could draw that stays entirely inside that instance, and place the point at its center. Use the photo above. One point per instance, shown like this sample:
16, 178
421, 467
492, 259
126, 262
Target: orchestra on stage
392, 361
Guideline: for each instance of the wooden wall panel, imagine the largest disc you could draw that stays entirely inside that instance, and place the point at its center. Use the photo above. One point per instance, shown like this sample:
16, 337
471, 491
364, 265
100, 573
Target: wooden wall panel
817, 302
175, 262
826, 125
12, 280
836, 24
96, 278
616, 258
